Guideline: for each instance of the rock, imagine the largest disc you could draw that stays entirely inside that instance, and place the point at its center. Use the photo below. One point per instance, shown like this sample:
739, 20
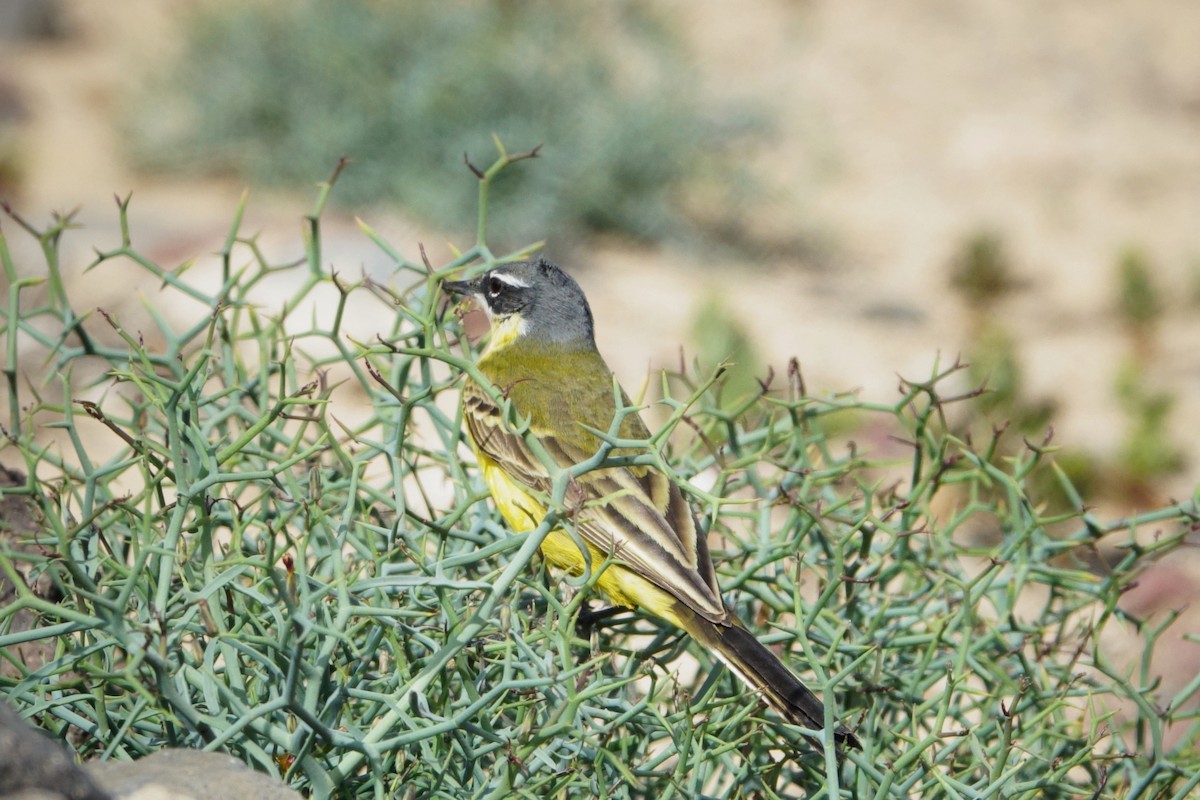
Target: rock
29, 20
186, 775
34, 767
19, 526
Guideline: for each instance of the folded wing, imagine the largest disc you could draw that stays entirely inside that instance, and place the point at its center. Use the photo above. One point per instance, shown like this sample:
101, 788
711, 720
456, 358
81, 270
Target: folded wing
636, 514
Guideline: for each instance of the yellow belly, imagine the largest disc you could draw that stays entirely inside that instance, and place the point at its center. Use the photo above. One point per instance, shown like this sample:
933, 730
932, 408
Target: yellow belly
523, 513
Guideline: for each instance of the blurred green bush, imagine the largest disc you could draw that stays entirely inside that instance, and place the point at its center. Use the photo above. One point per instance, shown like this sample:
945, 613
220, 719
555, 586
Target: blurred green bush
272, 92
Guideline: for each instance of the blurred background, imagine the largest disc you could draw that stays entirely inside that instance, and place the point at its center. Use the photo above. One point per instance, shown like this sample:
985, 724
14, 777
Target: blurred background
872, 188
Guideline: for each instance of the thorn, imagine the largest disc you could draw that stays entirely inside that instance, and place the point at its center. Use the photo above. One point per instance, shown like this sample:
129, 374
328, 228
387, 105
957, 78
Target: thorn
796, 377
343, 162
522, 156
474, 169
765, 383
333, 276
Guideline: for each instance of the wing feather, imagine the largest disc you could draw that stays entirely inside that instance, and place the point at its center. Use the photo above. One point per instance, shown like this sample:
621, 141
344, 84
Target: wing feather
638, 515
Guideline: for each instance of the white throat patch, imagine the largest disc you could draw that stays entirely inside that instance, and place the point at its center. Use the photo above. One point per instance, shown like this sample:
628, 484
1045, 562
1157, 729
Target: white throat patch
505, 331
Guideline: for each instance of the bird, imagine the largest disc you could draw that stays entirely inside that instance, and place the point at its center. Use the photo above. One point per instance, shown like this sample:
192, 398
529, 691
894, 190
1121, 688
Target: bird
542, 359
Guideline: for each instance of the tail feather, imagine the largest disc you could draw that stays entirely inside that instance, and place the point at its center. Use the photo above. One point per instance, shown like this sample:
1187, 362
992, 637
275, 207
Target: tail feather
759, 669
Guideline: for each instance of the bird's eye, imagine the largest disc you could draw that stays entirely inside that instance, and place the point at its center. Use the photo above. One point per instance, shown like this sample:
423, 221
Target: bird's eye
494, 287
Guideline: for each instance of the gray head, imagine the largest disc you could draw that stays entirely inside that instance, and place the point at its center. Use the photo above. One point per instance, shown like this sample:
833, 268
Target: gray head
544, 303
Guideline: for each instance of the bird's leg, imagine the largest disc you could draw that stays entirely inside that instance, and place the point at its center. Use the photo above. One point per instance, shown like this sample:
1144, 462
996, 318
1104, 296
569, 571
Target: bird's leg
588, 618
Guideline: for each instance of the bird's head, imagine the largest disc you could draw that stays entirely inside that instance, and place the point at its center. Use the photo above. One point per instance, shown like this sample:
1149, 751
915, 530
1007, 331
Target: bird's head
532, 301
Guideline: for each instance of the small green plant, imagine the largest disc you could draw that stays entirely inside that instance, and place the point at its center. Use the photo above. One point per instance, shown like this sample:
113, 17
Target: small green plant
994, 364
982, 272
1149, 451
269, 538
1139, 300
12, 171
722, 339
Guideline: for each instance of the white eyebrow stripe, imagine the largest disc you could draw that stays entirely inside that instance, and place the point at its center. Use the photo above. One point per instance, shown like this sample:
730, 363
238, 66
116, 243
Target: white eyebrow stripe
510, 280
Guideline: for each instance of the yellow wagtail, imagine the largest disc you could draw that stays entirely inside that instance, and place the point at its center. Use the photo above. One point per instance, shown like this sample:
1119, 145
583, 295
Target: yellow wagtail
542, 355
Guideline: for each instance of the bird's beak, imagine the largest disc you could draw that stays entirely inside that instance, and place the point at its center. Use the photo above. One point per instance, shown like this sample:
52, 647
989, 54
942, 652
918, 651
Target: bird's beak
461, 288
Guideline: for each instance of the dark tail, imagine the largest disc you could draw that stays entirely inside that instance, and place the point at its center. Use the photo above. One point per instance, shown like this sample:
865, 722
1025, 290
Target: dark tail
759, 669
